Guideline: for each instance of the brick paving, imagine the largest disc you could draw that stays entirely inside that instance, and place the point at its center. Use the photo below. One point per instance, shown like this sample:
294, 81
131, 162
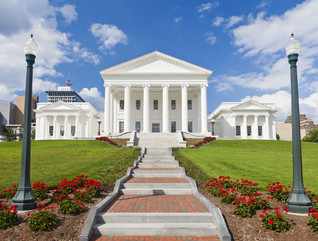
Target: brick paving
156, 204
157, 180
157, 238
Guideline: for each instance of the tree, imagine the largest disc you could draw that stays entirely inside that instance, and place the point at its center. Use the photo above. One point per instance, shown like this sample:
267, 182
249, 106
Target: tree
312, 137
8, 132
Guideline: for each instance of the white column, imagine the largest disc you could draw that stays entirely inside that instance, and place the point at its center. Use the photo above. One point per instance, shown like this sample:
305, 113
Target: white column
244, 128
165, 108
255, 127
204, 110
273, 127
127, 109
76, 126
146, 109
46, 128
54, 127
266, 128
65, 126
184, 108
37, 124
107, 110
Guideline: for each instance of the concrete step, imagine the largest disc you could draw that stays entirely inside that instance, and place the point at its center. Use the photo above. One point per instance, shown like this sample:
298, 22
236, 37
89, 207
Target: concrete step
157, 191
158, 151
156, 185
156, 229
158, 158
145, 174
154, 218
158, 164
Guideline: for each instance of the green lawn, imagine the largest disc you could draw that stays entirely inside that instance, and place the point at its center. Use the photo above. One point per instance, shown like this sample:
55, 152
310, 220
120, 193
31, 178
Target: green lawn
258, 161
52, 161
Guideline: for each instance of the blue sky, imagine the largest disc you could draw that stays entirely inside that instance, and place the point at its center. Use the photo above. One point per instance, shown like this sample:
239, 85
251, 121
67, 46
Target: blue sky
242, 42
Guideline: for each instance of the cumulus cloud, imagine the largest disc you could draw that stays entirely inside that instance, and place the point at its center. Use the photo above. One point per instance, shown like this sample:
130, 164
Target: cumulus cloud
210, 38
205, 7
218, 21
69, 13
55, 47
109, 35
234, 20
263, 4
177, 20
94, 97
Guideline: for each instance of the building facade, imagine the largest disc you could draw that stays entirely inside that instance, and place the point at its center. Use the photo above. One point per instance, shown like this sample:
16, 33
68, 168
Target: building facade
247, 120
155, 93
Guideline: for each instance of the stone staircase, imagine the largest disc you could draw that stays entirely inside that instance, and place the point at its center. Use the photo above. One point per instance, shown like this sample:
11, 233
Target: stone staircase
159, 200
154, 140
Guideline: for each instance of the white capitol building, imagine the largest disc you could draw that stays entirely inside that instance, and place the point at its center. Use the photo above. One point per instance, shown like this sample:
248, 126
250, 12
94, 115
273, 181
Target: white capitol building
151, 94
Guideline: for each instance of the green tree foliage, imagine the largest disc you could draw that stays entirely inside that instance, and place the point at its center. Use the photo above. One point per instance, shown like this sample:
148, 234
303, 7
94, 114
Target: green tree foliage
312, 137
8, 132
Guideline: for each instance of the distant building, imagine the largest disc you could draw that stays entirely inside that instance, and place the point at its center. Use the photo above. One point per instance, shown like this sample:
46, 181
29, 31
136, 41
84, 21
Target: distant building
7, 113
243, 120
63, 93
19, 112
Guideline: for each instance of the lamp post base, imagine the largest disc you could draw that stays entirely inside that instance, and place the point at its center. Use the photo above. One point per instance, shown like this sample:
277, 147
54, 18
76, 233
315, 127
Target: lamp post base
24, 199
298, 202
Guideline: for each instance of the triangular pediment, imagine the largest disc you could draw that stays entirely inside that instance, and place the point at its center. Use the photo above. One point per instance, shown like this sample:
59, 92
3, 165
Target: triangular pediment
60, 106
155, 63
251, 105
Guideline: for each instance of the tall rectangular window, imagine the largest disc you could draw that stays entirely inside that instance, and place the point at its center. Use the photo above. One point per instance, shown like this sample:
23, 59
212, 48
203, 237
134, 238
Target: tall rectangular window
62, 130
173, 126
189, 104
155, 104
190, 126
155, 127
122, 104
238, 130
249, 130
121, 126
138, 126
173, 104
51, 128
138, 104
73, 130
260, 131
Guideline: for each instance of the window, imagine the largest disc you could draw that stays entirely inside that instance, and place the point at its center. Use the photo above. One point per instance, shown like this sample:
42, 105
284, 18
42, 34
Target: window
138, 126
249, 130
189, 104
121, 126
190, 126
260, 131
173, 104
122, 104
238, 130
155, 104
51, 130
138, 104
155, 127
173, 126
73, 130
62, 130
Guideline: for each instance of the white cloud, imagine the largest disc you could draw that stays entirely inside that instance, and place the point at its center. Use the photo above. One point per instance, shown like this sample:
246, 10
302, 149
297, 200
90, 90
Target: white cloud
204, 7
263, 4
314, 86
210, 38
177, 20
55, 47
43, 85
109, 35
94, 97
218, 21
282, 101
234, 20
69, 13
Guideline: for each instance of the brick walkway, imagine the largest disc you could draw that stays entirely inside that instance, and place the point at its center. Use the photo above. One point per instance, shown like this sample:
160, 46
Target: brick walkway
157, 180
157, 238
156, 204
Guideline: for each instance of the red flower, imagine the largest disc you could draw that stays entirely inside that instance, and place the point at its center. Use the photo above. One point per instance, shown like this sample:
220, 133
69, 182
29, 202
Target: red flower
261, 215
270, 221
279, 216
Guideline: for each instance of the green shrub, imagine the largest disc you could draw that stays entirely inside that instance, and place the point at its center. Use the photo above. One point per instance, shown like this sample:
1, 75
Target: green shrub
313, 221
261, 204
83, 197
7, 219
274, 221
70, 207
228, 198
312, 136
42, 221
244, 208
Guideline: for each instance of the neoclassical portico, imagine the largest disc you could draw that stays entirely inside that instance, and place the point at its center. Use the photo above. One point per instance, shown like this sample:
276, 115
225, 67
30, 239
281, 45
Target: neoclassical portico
155, 93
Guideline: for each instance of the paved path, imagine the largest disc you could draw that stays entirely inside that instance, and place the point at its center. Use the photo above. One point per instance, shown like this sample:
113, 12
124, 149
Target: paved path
157, 203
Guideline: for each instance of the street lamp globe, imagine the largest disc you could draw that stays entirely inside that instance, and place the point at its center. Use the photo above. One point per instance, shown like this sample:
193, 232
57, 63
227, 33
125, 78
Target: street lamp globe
293, 46
30, 47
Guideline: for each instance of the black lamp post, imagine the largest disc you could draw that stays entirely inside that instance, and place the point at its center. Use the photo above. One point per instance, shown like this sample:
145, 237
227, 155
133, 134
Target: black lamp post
298, 201
24, 198
98, 133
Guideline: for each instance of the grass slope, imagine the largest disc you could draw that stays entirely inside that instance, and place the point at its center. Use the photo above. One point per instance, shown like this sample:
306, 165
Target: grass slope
258, 161
52, 161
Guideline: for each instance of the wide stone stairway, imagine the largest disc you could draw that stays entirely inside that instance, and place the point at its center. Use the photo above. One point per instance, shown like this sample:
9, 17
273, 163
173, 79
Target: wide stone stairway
160, 200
